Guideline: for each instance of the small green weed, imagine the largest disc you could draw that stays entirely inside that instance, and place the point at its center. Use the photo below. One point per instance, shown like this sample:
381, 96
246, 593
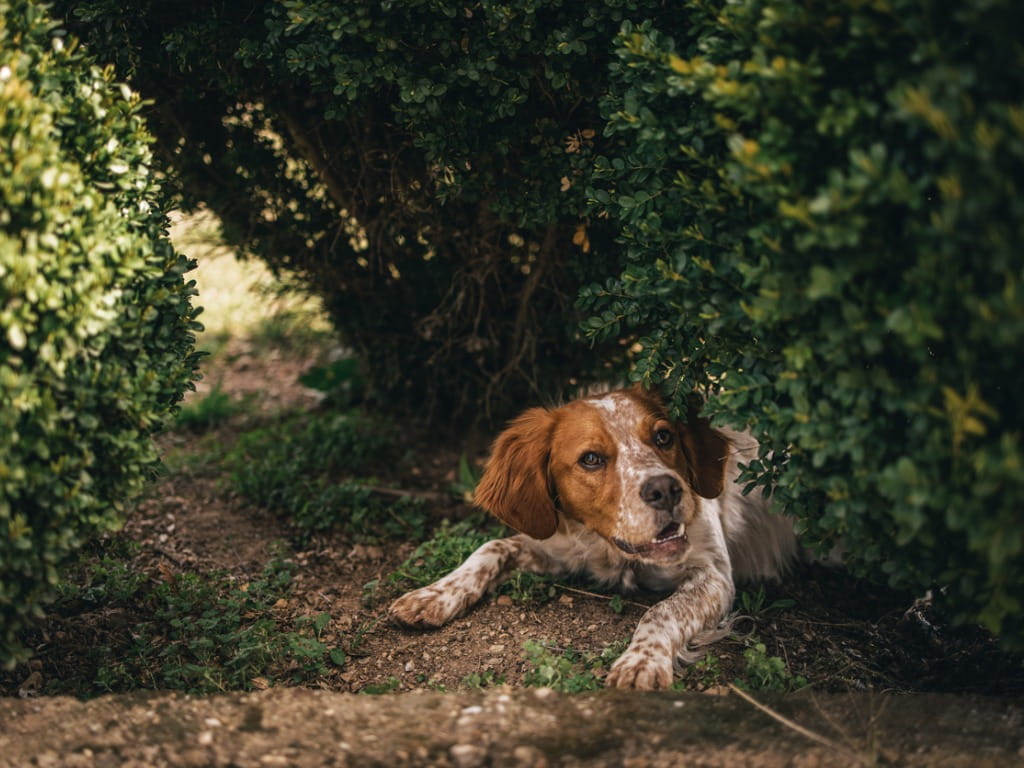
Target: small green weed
612, 651
486, 679
767, 673
370, 593
355, 644
568, 670
307, 650
617, 604
467, 480
703, 674
429, 683
753, 603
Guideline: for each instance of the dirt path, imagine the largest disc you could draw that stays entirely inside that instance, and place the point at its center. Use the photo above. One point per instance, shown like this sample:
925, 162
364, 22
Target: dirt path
527, 729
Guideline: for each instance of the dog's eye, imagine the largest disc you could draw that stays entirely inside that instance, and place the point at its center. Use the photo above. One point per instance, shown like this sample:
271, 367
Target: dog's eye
591, 460
663, 438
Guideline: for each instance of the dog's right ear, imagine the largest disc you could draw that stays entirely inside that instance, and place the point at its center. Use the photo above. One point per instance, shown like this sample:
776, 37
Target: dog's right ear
515, 487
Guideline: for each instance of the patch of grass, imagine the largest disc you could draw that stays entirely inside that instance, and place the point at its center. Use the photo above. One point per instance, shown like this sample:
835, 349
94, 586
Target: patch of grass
198, 633
305, 445
702, 674
568, 670
107, 578
450, 544
525, 587
365, 515
293, 466
208, 412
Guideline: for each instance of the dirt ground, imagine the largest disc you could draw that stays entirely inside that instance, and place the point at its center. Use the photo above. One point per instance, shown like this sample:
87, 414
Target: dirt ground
524, 728
839, 633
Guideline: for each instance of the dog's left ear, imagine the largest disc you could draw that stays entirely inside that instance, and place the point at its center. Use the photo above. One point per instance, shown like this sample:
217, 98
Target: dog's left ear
515, 487
707, 453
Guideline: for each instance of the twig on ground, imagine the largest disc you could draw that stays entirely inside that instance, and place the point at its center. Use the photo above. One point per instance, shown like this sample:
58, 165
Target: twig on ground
601, 597
795, 726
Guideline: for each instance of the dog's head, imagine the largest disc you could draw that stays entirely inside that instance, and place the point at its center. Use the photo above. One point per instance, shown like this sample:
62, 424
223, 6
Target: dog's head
614, 463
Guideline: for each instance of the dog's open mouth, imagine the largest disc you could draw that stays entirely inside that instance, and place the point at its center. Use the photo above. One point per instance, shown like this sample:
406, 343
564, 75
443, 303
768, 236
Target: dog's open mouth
669, 541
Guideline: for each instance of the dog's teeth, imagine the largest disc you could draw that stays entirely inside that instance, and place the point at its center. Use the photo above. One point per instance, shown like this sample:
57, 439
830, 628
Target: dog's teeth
678, 533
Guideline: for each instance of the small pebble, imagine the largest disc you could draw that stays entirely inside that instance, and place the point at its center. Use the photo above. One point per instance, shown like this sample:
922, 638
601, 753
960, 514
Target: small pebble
467, 755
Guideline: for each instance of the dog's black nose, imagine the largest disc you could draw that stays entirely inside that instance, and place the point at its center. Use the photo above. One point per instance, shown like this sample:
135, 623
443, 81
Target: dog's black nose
661, 492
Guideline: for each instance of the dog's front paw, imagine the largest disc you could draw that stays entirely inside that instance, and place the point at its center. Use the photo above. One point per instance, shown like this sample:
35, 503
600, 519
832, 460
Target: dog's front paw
643, 668
425, 608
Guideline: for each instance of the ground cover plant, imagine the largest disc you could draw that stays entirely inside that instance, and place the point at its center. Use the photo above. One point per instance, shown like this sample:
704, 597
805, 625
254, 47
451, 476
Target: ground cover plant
98, 326
201, 633
293, 468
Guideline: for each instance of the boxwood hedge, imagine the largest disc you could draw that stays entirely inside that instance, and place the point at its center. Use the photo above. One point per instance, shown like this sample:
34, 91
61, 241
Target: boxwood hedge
97, 327
812, 210
418, 163
822, 220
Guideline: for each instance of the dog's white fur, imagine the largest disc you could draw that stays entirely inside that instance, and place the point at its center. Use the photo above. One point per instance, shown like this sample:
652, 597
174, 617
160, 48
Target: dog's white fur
609, 486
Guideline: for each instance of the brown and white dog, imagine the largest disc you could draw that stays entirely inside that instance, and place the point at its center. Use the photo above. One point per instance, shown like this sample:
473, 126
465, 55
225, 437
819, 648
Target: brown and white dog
610, 486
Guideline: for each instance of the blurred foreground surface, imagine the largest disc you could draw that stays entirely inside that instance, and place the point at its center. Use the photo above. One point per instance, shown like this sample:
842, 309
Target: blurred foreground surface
293, 727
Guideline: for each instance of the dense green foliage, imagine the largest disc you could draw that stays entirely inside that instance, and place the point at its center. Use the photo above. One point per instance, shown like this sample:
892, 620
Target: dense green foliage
810, 211
823, 224
96, 342
418, 163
